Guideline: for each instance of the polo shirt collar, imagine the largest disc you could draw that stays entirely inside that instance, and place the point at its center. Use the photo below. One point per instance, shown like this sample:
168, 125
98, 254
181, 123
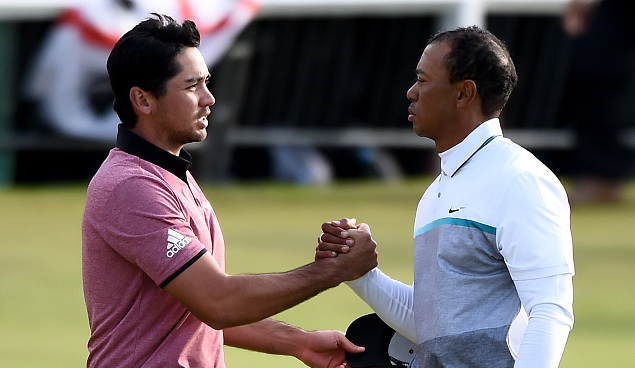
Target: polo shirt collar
454, 158
133, 144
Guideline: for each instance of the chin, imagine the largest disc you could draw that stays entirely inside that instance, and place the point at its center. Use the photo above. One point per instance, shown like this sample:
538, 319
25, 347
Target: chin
202, 137
419, 132
199, 136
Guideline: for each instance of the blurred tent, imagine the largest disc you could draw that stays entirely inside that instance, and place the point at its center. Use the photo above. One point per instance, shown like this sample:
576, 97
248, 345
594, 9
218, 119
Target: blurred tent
68, 83
324, 77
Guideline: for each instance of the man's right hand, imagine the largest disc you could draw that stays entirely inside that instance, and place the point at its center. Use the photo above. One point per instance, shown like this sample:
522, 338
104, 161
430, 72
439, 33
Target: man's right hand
358, 256
335, 238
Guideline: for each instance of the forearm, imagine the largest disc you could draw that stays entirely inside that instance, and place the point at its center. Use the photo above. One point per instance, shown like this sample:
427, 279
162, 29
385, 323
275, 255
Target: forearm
266, 295
267, 336
316, 349
252, 298
549, 303
392, 300
223, 301
545, 338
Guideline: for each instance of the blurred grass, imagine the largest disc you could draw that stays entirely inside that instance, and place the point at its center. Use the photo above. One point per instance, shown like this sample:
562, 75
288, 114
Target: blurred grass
273, 227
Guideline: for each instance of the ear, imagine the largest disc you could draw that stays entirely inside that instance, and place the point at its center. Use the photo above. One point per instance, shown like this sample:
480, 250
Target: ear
466, 93
141, 100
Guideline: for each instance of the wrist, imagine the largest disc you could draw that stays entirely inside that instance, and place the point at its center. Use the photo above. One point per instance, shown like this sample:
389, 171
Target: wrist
330, 272
299, 343
360, 281
286, 339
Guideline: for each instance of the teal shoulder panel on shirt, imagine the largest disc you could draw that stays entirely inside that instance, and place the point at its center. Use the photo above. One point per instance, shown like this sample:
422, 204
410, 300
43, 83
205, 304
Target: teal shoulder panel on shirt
455, 222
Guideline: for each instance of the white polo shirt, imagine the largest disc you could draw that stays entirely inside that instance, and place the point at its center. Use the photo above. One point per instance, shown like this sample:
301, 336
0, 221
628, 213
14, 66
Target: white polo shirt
495, 215
492, 230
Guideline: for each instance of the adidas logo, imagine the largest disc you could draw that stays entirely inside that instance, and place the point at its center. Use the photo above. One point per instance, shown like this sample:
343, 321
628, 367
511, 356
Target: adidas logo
176, 242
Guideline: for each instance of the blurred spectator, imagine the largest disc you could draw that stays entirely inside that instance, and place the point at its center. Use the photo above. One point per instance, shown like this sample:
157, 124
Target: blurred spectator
301, 164
68, 80
598, 95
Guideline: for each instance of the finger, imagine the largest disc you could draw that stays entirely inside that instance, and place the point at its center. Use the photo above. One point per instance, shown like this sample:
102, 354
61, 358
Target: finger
333, 239
345, 223
329, 228
330, 247
321, 254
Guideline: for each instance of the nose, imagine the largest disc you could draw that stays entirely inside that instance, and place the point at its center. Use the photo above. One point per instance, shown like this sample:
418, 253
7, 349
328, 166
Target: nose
208, 98
412, 94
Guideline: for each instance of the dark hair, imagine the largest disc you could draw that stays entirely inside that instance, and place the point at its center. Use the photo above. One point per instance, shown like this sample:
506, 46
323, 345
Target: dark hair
145, 57
476, 54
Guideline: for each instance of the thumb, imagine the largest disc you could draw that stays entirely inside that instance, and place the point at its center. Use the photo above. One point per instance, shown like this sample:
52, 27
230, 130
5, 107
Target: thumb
360, 232
363, 227
348, 346
345, 223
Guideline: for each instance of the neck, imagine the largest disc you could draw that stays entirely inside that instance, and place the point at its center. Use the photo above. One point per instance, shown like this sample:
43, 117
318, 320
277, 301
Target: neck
151, 136
458, 132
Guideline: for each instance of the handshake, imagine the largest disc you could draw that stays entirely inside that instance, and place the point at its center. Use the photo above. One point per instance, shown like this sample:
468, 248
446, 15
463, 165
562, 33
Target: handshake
349, 245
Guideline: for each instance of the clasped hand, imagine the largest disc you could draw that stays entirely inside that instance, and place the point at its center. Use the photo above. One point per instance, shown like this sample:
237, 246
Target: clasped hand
345, 237
339, 237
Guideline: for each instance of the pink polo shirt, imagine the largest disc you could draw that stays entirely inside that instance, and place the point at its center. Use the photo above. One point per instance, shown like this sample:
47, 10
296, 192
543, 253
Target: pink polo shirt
142, 226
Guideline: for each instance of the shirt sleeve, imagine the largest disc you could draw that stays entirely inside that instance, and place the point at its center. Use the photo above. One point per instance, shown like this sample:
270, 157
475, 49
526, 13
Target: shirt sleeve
549, 303
534, 237
147, 225
392, 300
533, 232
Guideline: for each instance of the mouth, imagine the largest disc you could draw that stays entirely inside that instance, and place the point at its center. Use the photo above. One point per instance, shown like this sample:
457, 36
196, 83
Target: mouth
411, 114
202, 120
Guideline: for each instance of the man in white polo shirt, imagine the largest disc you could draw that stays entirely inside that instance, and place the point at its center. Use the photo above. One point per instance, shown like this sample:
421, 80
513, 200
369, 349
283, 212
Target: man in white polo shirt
492, 243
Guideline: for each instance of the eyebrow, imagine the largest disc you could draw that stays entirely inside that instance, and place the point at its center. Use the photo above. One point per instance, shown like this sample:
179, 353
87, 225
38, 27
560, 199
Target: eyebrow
420, 72
197, 79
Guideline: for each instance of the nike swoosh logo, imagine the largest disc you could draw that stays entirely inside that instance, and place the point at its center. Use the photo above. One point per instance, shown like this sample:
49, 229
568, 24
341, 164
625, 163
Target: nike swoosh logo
452, 210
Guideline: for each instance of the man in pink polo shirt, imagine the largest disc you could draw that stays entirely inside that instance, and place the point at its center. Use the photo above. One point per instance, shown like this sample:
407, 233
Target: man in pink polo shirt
153, 253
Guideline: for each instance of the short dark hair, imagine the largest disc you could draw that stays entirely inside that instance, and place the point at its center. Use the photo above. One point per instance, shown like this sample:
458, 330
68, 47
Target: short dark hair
476, 54
145, 57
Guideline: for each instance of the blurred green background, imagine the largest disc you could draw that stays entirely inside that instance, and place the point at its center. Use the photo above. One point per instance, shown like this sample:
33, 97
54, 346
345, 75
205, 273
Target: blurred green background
274, 227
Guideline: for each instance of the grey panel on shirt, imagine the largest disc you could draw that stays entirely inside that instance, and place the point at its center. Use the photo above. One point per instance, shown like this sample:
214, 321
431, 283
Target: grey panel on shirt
476, 349
465, 299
